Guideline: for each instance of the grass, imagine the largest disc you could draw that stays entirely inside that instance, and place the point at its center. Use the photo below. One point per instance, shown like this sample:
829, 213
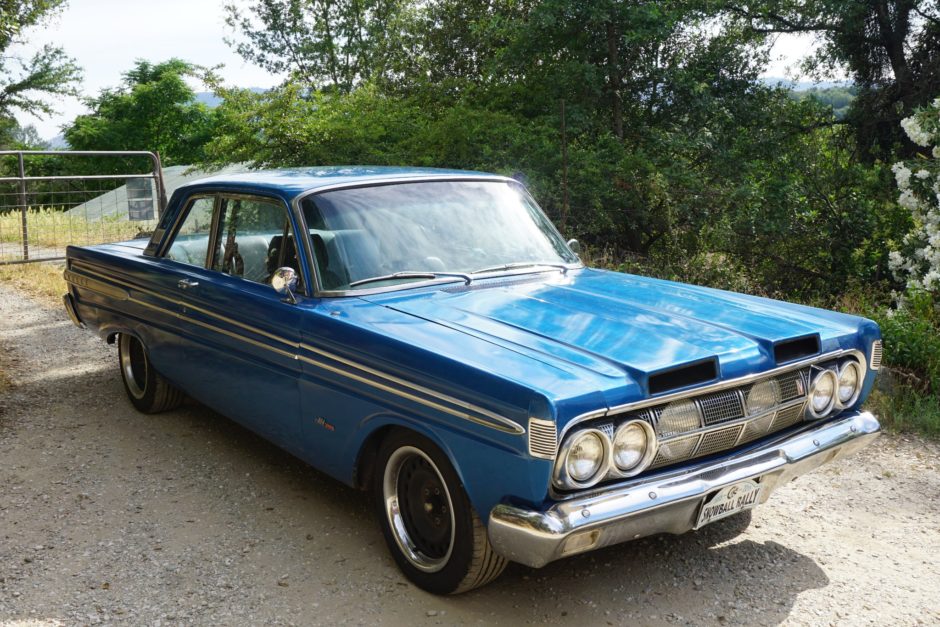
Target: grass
41, 280
906, 410
52, 227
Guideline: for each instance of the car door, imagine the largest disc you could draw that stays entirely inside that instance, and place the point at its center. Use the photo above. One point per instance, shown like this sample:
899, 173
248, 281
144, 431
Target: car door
238, 337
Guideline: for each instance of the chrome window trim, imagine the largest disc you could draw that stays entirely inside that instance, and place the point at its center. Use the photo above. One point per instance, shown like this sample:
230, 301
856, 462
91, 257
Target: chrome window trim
379, 182
217, 195
484, 416
715, 387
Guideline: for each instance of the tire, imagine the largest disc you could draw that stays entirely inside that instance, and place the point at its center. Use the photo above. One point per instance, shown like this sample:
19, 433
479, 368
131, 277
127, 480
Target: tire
146, 388
436, 538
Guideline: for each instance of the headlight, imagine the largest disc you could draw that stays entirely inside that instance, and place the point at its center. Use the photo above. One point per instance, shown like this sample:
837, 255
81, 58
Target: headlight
587, 456
633, 447
850, 383
822, 394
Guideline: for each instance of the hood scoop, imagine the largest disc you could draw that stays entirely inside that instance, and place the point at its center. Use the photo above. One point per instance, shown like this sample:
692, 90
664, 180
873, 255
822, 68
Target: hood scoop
786, 351
683, 376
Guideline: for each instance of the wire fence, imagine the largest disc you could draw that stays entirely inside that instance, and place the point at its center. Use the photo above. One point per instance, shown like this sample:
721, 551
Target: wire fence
53, 199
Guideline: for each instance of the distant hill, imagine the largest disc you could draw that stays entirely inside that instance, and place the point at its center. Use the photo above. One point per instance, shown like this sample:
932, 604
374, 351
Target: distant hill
802, 85
211, 100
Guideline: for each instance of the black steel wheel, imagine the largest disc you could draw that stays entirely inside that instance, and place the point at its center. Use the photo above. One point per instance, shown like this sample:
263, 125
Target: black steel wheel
436, 538
147, 389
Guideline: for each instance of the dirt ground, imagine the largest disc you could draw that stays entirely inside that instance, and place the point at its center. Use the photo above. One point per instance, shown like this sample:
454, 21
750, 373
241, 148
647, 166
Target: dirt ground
110, 516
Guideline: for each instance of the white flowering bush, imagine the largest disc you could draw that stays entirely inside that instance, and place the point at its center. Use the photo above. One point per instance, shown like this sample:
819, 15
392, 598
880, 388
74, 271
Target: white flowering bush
917, 264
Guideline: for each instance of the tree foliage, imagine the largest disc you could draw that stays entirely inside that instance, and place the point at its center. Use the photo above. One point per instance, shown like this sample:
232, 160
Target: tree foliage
325, 44
29, 84
890, 48
153, 109
675, 148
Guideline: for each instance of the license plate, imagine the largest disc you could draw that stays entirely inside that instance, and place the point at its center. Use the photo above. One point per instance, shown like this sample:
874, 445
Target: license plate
729, 501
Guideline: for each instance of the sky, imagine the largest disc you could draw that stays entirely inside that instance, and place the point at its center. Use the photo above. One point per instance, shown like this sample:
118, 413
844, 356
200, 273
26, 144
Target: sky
193, 30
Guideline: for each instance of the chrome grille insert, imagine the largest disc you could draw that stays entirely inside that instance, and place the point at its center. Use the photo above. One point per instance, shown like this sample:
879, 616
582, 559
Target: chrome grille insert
876, 353
757, 428
675, 418
719, 440
543, 438
721, 407
675, 450
787, 417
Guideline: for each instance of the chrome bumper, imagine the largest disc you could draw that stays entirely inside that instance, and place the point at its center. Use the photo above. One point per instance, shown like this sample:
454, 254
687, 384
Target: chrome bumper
71, 311
669, 503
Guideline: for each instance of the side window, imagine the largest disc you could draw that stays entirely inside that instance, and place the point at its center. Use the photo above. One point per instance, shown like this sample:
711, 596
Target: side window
192, 241
254, 240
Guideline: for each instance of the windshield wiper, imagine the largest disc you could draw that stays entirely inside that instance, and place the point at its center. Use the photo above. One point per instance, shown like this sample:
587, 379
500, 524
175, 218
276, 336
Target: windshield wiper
522, 264
413, 275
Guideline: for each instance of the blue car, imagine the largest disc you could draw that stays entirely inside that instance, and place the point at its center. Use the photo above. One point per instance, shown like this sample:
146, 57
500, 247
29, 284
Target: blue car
429, 336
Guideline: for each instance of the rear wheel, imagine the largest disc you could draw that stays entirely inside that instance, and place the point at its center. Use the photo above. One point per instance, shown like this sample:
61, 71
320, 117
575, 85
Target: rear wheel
146, 388
436, 538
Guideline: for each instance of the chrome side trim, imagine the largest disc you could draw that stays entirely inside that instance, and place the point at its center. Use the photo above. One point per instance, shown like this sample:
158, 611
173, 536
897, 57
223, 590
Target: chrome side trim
99, 287
667, 503
504, 424
467, 410
714, 387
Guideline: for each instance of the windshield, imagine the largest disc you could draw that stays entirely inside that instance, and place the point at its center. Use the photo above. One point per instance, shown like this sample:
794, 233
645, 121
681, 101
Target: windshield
370, 237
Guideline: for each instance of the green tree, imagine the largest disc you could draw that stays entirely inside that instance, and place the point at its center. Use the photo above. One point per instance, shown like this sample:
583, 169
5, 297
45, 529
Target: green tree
154, 109
325, 44
891, 49
28, 84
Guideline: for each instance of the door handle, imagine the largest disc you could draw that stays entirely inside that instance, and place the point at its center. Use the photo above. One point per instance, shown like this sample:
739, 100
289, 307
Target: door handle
185, 284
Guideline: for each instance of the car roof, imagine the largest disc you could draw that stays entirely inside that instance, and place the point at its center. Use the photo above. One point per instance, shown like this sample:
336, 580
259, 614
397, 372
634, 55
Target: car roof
289, 182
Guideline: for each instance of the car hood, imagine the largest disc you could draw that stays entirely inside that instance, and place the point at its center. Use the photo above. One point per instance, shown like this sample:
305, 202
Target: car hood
618, 329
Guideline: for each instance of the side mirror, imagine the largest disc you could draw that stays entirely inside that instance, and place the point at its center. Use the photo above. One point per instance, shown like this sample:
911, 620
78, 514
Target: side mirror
575, 246
284, 282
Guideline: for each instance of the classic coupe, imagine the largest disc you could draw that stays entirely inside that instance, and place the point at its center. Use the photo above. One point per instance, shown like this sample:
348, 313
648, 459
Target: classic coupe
429, 335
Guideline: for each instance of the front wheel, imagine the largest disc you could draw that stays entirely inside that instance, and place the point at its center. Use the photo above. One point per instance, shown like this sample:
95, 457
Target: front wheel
436, 538
146, 388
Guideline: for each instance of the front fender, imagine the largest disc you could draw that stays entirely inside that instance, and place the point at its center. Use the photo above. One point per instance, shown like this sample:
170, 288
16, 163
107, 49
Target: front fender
491, 472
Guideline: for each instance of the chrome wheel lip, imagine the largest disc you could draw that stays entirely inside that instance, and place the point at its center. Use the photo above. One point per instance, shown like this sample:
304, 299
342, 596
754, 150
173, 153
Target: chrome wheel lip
397, 522
127, 366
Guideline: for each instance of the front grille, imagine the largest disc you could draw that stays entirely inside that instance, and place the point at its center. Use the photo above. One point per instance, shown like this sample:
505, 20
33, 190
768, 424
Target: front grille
694, 427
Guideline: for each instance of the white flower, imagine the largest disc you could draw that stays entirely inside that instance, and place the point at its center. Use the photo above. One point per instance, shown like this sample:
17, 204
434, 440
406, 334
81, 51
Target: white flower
918, 135
894, 260
902, 175
931, 278
908, 200
936, 152
922, 174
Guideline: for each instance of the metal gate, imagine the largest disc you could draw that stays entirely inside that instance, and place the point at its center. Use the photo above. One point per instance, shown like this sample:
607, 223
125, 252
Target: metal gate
50, 199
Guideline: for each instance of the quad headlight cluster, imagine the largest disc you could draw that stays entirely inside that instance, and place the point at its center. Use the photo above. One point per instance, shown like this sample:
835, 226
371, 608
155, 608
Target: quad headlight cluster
590, 455
834, 388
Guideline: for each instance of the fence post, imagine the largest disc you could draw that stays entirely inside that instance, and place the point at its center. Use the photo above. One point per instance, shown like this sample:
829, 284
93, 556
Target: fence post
23, 222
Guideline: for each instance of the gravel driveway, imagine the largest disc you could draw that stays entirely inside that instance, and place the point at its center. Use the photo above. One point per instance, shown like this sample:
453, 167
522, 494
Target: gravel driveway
107, 515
